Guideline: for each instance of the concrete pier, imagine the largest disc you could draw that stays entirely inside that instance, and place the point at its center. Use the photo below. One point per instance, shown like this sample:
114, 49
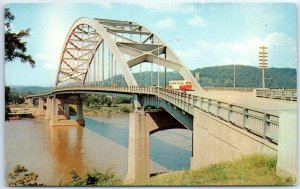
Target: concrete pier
40, 111
66, 111
80, 119
138, 146
49, 108
54, 111
141, 125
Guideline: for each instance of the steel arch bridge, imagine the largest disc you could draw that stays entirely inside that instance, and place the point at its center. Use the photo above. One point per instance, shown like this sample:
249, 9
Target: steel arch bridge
102, 52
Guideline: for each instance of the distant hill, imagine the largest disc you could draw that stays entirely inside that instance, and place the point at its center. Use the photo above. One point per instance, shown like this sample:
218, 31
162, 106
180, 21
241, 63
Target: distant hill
247, 76
30, 89
216, 76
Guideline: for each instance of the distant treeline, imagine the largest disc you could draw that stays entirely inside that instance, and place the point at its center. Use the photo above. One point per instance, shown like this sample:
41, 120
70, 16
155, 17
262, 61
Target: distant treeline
215, 76
247, 76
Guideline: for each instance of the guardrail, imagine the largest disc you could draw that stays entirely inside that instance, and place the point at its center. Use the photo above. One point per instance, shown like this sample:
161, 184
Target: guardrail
229, 89
281, 94
257, 122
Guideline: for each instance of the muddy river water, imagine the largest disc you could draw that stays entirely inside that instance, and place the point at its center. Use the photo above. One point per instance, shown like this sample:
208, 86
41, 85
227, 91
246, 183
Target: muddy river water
52, 152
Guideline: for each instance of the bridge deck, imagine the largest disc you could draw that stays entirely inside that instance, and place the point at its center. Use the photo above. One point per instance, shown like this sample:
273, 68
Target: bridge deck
246, 99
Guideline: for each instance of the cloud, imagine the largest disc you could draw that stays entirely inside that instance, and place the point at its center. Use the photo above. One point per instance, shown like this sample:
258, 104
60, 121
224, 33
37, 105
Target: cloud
281, 49
171, 7
48, 61
51, 66
165, 23
197, 21
105, 5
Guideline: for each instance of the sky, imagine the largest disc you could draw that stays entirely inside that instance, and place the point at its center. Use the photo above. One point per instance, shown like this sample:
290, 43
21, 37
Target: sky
210, 34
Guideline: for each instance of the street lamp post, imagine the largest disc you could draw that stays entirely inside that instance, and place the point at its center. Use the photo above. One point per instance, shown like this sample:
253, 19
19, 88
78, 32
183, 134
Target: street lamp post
233, 61
158, 47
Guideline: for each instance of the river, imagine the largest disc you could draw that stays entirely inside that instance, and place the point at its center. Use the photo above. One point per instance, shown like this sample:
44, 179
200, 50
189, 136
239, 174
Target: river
52, 152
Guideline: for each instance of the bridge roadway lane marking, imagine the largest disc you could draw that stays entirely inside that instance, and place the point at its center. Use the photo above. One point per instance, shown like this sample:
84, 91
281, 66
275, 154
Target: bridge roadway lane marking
248, 101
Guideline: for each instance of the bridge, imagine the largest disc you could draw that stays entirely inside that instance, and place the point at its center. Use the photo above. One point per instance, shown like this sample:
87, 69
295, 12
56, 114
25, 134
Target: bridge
99, 57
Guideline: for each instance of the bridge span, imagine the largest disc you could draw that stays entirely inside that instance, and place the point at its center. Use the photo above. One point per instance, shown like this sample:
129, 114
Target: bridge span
222, 129
98, 56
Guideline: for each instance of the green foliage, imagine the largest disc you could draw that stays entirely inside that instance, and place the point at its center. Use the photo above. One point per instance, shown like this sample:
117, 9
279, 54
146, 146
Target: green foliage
121, 100
15, 47
28, 90
246, 76
20, 177
222, 76
94, 102
257, 169
13, 97
94, 178
124, 109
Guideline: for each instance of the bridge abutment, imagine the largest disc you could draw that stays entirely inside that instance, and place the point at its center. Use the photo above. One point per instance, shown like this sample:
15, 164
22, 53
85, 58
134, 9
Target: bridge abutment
287, 146
216, 141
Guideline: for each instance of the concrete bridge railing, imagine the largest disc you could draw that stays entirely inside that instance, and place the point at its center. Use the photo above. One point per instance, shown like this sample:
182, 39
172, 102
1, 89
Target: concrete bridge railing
281, 94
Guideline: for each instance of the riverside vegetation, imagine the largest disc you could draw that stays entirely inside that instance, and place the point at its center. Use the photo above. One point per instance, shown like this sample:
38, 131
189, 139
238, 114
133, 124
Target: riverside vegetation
256, 169
101, 103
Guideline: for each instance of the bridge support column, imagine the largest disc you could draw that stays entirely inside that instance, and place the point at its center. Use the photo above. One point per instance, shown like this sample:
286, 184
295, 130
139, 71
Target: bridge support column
287, 146
49, 108
30, 102
66, 108
140, 126
41, 110
54, 112
80, 119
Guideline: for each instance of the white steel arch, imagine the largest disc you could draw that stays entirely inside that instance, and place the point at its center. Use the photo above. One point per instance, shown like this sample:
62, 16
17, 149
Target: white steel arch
121, 38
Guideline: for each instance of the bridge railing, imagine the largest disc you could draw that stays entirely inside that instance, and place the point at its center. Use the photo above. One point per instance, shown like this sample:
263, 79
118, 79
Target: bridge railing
257, 122
282, 94
229, 89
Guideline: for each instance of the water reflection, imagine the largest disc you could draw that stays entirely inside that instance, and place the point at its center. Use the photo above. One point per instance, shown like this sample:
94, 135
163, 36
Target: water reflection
169, 154
66, 150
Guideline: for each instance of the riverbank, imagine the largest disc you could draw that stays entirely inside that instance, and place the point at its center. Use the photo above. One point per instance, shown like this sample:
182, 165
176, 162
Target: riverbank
115, 108
256, 169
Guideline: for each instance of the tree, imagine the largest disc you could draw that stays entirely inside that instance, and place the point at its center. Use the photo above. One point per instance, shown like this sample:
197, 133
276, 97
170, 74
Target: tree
15, 47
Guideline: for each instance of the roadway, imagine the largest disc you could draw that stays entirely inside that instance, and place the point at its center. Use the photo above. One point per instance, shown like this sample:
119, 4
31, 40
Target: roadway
246, 99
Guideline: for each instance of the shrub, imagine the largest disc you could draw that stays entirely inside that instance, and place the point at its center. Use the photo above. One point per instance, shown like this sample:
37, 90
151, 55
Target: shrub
20, 177
124, 109
94, 178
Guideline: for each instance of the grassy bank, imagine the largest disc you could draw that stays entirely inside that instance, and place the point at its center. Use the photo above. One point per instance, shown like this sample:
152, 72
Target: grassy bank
250, 170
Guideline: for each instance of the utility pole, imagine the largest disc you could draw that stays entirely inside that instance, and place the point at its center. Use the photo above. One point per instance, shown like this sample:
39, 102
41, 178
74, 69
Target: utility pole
263, 62
233, 61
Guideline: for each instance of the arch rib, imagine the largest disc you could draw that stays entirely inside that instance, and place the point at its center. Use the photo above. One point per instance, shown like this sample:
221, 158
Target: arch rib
103, 31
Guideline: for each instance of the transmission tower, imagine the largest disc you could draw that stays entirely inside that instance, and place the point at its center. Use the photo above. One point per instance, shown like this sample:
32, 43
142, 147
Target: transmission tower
263, 62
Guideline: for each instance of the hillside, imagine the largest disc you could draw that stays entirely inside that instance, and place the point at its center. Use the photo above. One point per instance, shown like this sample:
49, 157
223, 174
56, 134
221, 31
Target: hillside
30, 89
247, 76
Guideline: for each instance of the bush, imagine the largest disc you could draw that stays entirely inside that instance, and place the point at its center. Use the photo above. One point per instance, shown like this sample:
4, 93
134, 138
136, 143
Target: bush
95, 178
20, 177
124, 109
